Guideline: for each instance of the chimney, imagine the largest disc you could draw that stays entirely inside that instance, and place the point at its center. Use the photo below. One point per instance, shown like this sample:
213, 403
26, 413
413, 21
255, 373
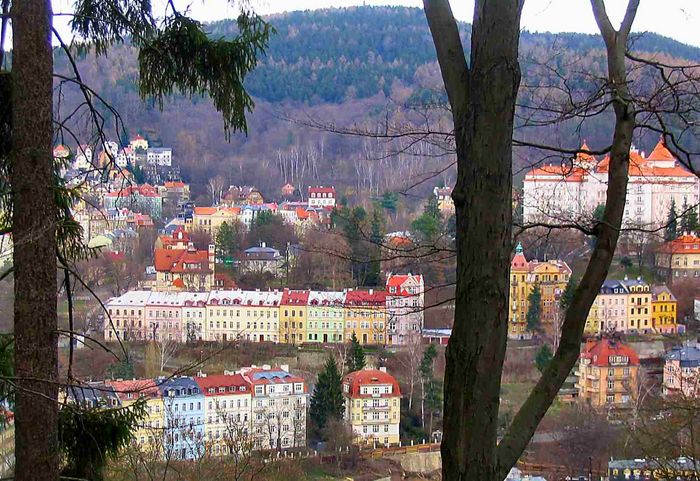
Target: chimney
284, 367
626, 278
383, 369
371, 292
266, 367
263, 245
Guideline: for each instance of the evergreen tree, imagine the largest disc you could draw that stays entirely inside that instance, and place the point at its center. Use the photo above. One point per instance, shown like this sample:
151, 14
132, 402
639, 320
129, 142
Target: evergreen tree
228, 240
534, 309
427, 226
357, 361
685, 227
427, 374
671, 223
543, 357
693, 224
327, 399
568, 295
389, 201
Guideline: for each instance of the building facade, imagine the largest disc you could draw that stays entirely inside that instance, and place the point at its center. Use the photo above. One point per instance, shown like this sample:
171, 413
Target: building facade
682, 371
373, 406
227, 408
572, 192
679, 259
183, 414
607, 373
550, 277
405, 307
279, 406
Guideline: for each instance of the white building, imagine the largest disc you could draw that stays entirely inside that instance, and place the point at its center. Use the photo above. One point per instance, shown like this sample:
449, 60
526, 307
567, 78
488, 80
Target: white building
405, 306
280, 401
194, 315
160, 156
555, 193
126, 317
321, 196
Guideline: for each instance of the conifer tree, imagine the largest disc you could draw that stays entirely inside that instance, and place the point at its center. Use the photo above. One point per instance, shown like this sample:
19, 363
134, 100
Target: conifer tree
685, 227
543, 356
357, 360
534, 309
671, 223
327, 399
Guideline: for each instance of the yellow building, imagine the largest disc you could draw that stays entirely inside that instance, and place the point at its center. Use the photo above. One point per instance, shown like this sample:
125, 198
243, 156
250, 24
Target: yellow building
607, 373
150, 432
663, 310
373, 406
209, 219
639, 305
366, 316
551, 277
679, 259
293, 318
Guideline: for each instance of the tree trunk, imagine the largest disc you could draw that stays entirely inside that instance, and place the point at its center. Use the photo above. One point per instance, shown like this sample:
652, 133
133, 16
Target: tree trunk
34, 233
482, 97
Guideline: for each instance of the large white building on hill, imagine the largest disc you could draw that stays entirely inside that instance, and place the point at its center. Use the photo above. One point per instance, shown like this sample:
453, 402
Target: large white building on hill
555, 193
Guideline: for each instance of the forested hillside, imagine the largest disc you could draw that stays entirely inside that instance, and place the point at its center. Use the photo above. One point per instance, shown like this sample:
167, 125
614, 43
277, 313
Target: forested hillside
366, 66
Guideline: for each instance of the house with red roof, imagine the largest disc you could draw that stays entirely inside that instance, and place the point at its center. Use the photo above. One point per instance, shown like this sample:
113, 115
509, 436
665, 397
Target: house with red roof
366, 316
321, 196
405, 306
227, 408
293, 316
179, 239
572, 190
138, 198
679, 259
607, 373
373, 406
280, 403
184, 269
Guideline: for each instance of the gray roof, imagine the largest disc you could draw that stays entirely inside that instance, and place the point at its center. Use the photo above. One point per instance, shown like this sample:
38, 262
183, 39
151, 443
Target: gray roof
689, 356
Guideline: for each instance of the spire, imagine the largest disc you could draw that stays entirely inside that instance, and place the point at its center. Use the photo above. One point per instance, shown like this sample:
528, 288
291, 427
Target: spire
519, 248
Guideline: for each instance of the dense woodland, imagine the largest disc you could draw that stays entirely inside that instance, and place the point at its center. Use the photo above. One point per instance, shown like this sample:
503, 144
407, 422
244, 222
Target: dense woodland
368, 67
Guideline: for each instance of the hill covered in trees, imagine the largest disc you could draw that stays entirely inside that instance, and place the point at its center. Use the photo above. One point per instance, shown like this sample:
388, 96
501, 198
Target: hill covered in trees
366, 66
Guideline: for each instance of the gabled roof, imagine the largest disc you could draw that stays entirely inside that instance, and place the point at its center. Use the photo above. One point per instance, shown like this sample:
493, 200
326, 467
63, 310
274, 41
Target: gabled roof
321, 189
661, 152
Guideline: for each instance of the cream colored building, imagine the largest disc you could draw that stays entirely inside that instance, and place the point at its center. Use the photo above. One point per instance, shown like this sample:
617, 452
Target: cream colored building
607, 373
373, 406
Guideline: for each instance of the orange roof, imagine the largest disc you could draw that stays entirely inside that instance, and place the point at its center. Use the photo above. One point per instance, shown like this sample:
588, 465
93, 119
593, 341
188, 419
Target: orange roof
660, 152
370, 377
685, 244
519, 261
179, 283
565, 172
174, 184
600, 352
180, 261
204, 210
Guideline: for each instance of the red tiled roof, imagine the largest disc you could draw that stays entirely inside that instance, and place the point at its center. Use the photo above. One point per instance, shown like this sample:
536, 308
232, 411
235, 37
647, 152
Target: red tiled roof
294, 297
599, 352
137, 388
138, 137
370, 377
365, 298
175, 260
519, 262
144, 190
225, 381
